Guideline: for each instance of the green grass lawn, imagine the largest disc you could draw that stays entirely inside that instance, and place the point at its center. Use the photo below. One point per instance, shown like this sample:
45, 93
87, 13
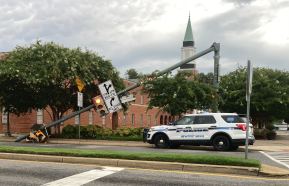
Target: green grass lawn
168, 157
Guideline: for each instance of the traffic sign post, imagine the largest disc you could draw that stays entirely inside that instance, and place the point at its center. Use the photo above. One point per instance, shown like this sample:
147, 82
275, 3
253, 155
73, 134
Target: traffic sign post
248, 96
110, 96
79, 99
80, 105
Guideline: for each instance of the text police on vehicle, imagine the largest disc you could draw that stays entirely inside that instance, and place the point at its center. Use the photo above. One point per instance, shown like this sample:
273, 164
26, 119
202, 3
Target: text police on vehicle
223, 131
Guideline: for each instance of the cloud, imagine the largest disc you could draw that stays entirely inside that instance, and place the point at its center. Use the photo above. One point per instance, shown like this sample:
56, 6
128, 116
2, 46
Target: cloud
238, 31
147, 35
239, 2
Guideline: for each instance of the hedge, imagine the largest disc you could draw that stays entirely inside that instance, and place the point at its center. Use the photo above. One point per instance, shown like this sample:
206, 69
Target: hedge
97, 132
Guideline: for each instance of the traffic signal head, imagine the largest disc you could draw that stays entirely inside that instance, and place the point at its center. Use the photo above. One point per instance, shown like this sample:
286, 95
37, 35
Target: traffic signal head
100, 105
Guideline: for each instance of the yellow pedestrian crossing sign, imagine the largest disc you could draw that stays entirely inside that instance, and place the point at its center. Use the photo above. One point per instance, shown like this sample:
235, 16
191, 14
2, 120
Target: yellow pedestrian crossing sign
80, 84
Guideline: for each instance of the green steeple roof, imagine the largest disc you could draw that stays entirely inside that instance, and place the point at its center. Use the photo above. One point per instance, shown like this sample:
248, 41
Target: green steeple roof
189, 39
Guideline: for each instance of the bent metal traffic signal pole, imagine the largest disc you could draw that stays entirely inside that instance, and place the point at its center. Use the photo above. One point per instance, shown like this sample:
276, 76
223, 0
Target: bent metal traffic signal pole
215, 47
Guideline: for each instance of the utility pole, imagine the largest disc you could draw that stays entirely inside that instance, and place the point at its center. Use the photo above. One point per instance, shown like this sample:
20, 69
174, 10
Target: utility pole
216, 64
248, 98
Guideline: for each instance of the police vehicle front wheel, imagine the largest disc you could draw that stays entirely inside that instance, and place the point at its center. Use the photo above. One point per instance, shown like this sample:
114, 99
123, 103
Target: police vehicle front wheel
161, 141
221, 143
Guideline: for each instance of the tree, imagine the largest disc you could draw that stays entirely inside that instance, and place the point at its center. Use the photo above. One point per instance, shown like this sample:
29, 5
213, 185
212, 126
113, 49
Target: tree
269, 100
132, 74
177, 95
205, 78
43, 75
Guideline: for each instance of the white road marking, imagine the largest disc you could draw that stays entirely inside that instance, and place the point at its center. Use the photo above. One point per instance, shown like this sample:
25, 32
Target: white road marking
277, 157
85, 177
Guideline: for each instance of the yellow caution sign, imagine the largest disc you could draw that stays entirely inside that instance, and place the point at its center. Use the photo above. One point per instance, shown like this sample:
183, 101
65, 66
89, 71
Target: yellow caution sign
80, 84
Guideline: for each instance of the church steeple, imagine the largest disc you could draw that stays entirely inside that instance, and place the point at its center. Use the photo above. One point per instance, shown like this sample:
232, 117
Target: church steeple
189, 39
188, 50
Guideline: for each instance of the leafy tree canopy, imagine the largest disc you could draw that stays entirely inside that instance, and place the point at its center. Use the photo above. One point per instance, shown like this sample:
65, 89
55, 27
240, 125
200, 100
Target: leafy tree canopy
177, 95
132, 74
205, 78
269, 99
43, 75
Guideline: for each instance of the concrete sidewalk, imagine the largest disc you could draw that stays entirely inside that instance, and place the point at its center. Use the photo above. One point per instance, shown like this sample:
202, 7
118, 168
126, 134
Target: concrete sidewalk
281, 143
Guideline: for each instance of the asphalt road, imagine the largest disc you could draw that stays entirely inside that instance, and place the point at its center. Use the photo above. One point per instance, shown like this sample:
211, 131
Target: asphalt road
186, 149
15, 173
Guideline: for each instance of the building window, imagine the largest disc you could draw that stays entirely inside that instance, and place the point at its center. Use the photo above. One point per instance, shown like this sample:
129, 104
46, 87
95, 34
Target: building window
132, 120
39, 116
103, 121
149, 120
141, 120
4, 116
90, 117
161, 119
166, 120
76, 120
124, 119
141, 100
155, 120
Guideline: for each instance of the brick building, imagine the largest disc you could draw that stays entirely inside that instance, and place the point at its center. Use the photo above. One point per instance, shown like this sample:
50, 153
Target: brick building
136, 116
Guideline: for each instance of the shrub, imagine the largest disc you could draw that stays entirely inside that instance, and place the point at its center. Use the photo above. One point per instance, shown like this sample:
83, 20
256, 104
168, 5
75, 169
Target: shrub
260, 133
97, 132
124, 131
271, 135
69, 131
270, 126
83, 132
264, 134
93, 131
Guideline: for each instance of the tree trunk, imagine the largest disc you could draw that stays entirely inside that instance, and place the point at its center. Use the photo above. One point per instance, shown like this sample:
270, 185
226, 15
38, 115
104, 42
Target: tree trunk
8, 132
56, 116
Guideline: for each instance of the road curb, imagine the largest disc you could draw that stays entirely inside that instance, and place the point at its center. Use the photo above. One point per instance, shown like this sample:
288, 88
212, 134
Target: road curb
249, 171
171, 166
100, 142
271, 171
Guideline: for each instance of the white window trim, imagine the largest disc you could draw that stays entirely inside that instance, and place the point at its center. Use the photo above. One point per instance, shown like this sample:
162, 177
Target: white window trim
90, 117
39, 116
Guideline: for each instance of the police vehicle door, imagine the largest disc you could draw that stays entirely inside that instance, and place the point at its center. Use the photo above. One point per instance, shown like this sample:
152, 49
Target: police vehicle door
184, 128
202, 126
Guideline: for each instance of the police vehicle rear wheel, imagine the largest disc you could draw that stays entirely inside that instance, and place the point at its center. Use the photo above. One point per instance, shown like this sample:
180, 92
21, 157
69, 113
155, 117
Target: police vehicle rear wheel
221, 143
161, 141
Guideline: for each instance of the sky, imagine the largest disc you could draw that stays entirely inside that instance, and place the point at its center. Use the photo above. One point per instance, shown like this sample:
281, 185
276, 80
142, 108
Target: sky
147, 35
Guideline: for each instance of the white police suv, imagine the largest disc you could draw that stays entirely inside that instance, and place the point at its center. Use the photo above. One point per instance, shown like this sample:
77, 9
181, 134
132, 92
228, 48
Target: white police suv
223, 131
